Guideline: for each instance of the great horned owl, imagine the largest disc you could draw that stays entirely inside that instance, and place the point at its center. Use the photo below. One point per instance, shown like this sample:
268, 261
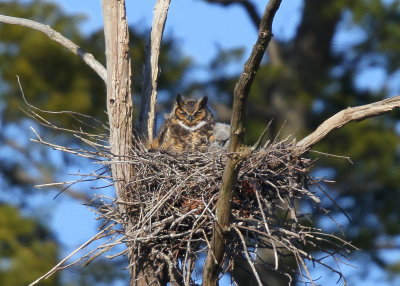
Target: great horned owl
189, 127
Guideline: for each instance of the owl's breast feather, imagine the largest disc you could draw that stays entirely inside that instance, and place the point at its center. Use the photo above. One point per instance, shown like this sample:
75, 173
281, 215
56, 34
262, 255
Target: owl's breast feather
192, 128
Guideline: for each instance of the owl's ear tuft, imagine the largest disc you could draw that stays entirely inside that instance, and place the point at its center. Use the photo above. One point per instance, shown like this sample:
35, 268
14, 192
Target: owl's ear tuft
179, 100
203, 101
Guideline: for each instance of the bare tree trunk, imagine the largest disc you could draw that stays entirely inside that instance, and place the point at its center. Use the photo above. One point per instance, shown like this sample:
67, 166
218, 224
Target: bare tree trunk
119, 101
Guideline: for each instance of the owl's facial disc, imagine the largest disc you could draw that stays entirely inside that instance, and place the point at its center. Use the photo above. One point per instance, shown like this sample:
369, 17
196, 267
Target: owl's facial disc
190, 117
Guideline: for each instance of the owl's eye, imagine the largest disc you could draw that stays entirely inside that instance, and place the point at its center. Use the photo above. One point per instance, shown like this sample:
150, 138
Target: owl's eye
198, 112
181, 112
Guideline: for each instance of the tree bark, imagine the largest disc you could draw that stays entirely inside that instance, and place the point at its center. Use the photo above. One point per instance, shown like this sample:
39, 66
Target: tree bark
119, 101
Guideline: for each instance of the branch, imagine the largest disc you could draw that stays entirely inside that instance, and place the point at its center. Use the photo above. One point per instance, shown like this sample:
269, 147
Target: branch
150, 72
60, 39
343, 117
216, 252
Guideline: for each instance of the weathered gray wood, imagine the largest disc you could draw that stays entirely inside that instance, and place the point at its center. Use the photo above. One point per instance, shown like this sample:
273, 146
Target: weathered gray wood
119, 101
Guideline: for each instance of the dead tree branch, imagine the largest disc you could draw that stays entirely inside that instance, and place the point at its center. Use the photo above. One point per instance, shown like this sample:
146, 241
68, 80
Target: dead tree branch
151, 70
223, 210
60, 39
346, 116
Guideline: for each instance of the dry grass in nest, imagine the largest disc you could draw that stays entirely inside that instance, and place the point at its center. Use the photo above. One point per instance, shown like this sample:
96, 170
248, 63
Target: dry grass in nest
169, 212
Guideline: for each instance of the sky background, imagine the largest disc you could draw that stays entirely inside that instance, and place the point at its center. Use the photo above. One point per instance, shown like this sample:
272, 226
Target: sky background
201, 30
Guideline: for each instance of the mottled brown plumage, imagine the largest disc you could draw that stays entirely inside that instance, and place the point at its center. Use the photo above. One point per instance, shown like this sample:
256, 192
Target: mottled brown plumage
189, 127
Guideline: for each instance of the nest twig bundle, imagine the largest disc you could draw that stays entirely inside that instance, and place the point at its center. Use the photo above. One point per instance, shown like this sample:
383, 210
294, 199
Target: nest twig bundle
168, 211
171, 211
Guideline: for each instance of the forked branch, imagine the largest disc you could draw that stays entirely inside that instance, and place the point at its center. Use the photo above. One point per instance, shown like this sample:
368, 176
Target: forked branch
60, 39
345, 116
216, 252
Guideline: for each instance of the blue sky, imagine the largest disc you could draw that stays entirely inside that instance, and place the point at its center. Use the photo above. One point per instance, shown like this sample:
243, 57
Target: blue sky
200, 28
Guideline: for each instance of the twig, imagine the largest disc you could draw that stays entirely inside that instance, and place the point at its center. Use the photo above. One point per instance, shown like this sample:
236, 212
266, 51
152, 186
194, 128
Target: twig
79, 152
248, 258
60, 39
151, 70
261, 142
55, 268
268, 231
73, 114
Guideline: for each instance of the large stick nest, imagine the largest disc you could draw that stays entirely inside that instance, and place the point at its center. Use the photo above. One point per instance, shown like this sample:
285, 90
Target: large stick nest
169, 211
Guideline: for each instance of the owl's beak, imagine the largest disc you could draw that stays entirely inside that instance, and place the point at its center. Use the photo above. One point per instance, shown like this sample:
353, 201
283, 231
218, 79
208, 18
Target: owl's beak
190, 118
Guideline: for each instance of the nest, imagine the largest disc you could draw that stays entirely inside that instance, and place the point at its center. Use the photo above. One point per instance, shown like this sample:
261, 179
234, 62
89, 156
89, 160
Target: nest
166, 214
169, 212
